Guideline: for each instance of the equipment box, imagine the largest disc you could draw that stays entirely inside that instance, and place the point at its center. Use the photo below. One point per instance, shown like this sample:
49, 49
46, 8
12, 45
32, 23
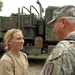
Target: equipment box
29, 32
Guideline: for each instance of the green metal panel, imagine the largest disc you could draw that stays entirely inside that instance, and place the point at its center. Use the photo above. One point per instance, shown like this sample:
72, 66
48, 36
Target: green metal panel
9, 22
0, 21
0, 33
49, 13
48, 34
32, 50
28, 19
29, 32
34, 19
41, 26
48, 16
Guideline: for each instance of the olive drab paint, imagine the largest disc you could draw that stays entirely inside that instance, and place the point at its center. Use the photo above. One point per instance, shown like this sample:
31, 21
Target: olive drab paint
38, 36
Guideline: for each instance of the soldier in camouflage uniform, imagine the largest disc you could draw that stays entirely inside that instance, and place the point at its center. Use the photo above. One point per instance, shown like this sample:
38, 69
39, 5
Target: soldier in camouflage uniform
61, 61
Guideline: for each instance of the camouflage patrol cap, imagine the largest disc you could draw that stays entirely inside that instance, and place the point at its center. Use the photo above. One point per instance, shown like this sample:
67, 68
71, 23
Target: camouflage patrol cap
64, 11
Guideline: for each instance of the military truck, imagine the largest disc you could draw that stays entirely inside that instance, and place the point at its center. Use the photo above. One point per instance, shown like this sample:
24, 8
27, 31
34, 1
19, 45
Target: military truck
39, 39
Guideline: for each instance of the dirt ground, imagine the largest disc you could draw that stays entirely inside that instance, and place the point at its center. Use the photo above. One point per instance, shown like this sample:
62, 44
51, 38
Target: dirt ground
35, 66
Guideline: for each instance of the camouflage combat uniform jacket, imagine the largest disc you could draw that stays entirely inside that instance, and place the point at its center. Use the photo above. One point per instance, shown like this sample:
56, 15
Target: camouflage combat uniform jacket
61, 61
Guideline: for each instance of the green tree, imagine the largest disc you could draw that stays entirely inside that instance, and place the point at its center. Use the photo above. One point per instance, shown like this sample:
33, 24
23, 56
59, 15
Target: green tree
1, 5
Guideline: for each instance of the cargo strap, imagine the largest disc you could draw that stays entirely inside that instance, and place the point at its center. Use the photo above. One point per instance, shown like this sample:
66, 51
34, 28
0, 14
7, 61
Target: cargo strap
13, 61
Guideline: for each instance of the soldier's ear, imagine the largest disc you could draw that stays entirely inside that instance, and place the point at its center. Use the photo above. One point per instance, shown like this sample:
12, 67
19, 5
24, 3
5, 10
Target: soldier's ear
64, 22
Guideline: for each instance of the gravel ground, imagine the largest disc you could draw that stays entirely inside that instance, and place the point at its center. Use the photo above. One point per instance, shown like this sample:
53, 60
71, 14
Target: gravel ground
35, 66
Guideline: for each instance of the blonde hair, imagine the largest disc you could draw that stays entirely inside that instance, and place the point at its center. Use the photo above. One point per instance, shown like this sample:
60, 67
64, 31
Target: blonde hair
8, 36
